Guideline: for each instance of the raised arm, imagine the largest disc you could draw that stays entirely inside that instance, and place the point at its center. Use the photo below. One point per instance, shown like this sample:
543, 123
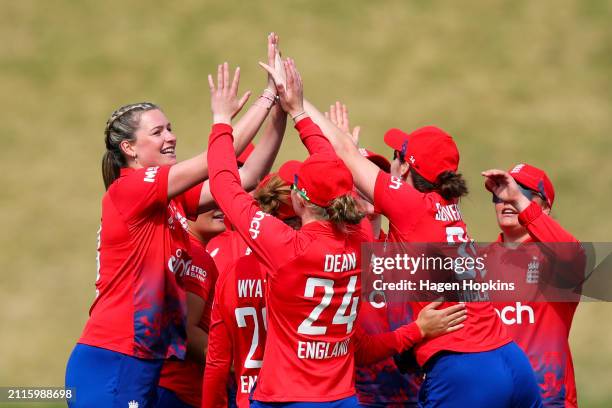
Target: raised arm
364, 171
264, 234
189, 173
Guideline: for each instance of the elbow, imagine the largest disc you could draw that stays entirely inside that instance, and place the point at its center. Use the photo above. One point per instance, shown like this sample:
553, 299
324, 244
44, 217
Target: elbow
248, 179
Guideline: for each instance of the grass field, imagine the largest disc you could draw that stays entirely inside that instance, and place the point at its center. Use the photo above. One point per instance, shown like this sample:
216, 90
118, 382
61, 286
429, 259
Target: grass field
510, 80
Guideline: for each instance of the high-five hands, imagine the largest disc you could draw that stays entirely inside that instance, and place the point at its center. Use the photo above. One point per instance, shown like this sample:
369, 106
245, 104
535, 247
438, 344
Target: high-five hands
274, 61
290, 90
338, 115
224, 100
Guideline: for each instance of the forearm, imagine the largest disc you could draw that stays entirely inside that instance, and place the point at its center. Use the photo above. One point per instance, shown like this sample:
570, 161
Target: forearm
217, 371
197, 343
249, 124
260, 161
340, 141
370, 349
312, 136
186, 174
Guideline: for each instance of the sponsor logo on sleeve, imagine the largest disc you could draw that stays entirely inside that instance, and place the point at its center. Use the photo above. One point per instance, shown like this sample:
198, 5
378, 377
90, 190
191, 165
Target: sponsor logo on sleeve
150, 174
396, 183
256, 224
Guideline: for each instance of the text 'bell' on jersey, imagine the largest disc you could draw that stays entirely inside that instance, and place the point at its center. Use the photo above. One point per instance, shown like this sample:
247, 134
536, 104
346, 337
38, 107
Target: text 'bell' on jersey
542, 329
416, 217
184, 377
313, 289
139, 308
238, 333
226, 247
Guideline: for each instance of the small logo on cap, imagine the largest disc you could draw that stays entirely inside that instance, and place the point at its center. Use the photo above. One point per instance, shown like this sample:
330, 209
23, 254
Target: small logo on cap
412, 160
517, 168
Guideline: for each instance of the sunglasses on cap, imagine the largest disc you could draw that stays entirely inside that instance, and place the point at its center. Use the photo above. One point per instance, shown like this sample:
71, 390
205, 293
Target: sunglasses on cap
300, 191
401, 154
530, 194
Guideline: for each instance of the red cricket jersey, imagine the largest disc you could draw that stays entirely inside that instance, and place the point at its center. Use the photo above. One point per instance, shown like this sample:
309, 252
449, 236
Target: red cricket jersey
184, 378
313, 287
139, 308
226, 247
542, 329
237, 333
427, 217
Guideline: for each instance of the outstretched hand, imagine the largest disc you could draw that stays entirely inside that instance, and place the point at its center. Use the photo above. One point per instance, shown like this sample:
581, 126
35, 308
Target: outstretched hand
503, 185
290, 90
224, 100
338, 115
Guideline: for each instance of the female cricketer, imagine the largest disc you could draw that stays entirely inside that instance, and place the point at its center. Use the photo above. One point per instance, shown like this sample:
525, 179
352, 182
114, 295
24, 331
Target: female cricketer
523, 199
420, 199
138, 317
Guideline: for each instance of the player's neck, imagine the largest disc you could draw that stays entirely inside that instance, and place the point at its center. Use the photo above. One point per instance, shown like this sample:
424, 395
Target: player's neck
515, 235
194, 233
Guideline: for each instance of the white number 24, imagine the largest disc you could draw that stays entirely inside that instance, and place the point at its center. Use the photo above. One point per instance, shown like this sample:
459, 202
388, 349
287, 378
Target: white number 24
307, 327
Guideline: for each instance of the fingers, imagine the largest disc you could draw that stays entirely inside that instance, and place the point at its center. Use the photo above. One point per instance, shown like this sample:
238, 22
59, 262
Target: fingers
271, 48
226, 82
268, 68
432, 305
235, 82
273, 73
454, 328
345, 118
332, 115
490, 185
211, 83
454, 309
242, 101
290, 78
493, 173
460, 315
220, 76
355, 134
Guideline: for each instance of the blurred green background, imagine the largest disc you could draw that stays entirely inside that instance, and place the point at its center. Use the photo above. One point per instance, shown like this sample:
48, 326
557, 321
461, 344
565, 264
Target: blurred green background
512, 81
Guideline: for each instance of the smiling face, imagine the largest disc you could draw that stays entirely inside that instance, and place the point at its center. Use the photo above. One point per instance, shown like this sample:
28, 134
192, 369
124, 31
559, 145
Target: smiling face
155, 143
507, 217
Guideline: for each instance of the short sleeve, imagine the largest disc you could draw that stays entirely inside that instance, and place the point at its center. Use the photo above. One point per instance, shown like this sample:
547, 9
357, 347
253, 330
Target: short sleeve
397, 200
140, 192
190, 201
202, 274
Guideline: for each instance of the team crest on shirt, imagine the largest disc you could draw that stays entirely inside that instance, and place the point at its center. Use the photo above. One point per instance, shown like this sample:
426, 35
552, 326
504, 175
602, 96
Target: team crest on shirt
533, 271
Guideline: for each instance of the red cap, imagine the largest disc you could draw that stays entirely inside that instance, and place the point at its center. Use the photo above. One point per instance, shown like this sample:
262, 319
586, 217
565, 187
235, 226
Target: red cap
245, 154
429, 150
534, 179
288, 170
377, 159
322, 178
